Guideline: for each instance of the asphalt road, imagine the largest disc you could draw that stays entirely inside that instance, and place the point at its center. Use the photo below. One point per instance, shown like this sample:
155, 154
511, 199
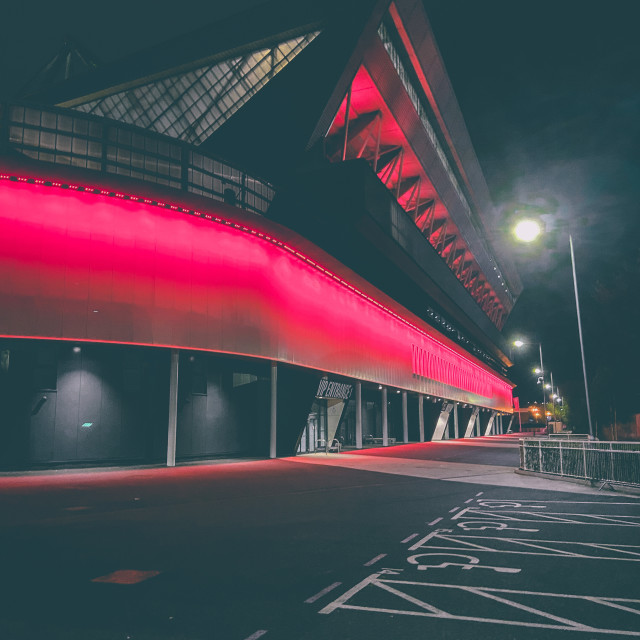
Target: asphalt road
307, 549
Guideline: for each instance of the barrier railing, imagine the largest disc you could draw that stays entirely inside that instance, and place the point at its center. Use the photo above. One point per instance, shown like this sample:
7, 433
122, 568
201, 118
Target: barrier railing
73, 138
604, 462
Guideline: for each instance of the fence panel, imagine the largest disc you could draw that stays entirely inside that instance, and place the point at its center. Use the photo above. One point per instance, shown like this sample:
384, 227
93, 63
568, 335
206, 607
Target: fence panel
617, 462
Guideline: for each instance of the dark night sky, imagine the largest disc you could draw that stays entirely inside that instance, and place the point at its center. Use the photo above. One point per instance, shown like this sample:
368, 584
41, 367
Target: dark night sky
551, 95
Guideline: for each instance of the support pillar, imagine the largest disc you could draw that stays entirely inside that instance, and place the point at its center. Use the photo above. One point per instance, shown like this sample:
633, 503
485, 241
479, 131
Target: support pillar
490, 424
456, 430
405, 419
173, 408
358, 415
274, 411
472, 422
385, 423
421, 418
443, 421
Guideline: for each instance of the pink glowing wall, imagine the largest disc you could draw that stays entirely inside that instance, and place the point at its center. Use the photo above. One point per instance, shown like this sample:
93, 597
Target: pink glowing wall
80, 265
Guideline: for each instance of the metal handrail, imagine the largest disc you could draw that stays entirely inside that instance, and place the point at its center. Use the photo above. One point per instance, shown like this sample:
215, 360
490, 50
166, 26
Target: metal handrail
606, 462
73, 138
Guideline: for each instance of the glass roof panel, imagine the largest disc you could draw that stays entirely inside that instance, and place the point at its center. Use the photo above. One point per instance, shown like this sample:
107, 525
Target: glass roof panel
191, 106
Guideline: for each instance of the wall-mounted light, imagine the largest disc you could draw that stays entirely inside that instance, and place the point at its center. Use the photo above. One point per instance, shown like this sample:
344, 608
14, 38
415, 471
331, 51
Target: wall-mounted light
76, 349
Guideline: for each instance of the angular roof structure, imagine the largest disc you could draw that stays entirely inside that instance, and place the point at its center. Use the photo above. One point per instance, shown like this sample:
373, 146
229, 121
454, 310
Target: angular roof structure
348, 110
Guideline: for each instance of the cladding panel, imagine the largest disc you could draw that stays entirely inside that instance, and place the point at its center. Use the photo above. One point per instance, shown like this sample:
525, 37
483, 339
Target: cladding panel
264, 298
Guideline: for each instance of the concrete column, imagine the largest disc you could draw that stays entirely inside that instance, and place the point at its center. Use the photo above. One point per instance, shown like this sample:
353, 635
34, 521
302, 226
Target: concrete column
358, 415
421, 418
456, 431
405, 419
478, 426
173, 408
385, 424
274, 410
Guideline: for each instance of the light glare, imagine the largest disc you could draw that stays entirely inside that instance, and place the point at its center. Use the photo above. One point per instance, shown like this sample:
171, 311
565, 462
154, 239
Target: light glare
527, 230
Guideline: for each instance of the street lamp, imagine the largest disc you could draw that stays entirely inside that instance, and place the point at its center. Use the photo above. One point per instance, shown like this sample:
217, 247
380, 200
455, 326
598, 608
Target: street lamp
521, 343
525, 231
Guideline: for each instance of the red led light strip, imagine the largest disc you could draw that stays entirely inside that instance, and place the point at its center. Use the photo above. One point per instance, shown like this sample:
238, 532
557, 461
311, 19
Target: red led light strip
243, 228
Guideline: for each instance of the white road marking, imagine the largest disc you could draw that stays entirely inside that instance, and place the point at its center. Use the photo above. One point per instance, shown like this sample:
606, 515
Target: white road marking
374, 560
468, 501
499, 595
601, 502
479, 493
434, 521
446, 539
409, 538
454, 509
326, 590
257, 634
549, 517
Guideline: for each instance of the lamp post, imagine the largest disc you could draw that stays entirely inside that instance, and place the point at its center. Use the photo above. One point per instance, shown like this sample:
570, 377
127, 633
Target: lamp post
527, 231
521, 343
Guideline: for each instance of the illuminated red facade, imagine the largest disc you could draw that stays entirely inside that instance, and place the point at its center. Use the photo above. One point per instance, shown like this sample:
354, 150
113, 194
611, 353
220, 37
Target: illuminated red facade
85, 266
223, 246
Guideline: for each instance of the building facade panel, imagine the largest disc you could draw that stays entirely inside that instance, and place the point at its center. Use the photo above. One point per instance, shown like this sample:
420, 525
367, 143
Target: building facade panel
265, 297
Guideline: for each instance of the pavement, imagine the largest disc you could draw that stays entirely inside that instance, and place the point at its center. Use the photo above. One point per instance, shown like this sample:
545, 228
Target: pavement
451, 460
411, 541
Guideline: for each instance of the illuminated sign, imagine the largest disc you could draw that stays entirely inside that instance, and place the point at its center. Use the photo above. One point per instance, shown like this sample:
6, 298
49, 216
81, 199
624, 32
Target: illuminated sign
339, 390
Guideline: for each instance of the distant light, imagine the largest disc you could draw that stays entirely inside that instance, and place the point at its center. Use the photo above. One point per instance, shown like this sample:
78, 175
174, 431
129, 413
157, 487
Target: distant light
379, 386
76, 349
518, 343
527, 230
547, 386
537, 370
87, 424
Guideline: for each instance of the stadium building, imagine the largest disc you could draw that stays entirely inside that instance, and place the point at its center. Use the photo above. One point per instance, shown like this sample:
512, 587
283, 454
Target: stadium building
250, 241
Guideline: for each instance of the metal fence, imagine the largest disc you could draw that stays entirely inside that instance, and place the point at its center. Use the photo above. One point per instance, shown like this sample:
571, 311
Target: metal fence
615, 462
73, 138
568, 436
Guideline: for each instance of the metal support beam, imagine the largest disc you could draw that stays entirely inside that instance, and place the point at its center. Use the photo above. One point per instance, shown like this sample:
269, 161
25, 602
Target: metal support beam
173, 408
358, 415
456, 432
472, 422
377, 156
346, 125
443, 420
274, 411
487, 431
405, 419
385, 423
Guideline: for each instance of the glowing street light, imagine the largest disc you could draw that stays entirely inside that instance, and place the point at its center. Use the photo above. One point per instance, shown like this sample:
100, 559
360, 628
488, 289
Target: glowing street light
527, 230
521, 343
